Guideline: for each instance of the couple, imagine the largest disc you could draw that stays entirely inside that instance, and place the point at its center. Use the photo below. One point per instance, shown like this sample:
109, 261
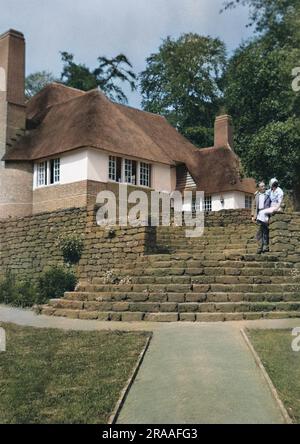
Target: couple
266, 203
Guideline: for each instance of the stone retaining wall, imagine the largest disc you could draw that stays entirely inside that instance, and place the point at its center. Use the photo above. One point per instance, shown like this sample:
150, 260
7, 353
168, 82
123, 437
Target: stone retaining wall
285, 236
29, 245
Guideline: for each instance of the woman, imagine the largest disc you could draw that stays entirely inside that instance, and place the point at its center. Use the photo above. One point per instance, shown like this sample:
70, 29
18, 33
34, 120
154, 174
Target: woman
276, 195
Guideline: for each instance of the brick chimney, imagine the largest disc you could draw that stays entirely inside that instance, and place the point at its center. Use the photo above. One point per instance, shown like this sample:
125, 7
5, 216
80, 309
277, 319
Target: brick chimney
12, 87
15, 177
223, 132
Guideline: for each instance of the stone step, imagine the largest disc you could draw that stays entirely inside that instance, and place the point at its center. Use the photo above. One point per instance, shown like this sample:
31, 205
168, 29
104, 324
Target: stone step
195, 262
85, 296
195, 287
166, 317
216, 257
281, 275
203, 279
186, 307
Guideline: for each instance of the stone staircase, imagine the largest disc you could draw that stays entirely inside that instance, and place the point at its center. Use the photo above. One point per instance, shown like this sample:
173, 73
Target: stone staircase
218, 277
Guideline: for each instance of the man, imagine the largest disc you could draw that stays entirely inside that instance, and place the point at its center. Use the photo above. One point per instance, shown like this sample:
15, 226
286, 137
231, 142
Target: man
262, 202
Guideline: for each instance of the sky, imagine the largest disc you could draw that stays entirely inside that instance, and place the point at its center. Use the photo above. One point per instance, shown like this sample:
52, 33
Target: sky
92, 28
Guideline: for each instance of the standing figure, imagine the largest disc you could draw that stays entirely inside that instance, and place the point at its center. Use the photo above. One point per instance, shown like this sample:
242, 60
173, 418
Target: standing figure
262, 202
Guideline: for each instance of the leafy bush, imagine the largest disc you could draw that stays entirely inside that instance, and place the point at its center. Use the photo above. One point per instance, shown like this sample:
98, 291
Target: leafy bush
54, 282
18, 294
71, 247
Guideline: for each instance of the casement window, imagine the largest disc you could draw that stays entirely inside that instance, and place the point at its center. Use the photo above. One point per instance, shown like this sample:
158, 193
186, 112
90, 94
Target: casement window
112, 168
248, 201
48, 172
115, 169
145, 174
207, 203
130, 169
42, 174
54, 171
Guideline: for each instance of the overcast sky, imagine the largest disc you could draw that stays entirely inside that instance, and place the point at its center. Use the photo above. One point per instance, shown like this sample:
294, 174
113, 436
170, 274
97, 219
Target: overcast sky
90, 28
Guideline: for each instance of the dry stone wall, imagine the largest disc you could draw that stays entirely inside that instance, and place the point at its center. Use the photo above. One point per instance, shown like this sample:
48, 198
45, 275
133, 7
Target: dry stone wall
29, 245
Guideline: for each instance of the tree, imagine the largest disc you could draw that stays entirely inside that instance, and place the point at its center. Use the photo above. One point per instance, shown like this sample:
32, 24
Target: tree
267, 15
182, 82
259, 94
37, 81
106, 76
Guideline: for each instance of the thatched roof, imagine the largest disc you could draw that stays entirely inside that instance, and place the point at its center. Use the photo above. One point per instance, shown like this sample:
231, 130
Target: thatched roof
62, 119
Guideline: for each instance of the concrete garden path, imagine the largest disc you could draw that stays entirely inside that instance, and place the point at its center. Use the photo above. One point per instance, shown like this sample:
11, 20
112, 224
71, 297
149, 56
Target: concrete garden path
192, 373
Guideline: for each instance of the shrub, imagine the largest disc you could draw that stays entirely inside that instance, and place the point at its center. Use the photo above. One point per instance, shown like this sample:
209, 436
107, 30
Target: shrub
71, 247
18, 294
54, 282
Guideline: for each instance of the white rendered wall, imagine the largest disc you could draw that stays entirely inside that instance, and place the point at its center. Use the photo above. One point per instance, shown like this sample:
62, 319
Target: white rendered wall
73, 167
162, 178
97, 166
232, 201
92, 164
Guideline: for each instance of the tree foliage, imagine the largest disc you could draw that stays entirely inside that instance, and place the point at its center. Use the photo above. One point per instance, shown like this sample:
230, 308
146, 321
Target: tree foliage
182, 81
107, 76
37, 81
258, 93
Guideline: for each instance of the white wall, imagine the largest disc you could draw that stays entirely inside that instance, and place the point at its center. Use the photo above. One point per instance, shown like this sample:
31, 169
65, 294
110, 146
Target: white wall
91, 164
74, 167
232, 200
162, 177
97, 166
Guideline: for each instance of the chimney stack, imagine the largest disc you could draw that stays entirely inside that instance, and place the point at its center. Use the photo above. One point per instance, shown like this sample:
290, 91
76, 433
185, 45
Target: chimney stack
15, 177
12, 87
223, 132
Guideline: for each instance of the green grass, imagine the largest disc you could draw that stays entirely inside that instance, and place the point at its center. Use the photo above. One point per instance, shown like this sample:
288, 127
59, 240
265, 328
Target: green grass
282, 364
55, 376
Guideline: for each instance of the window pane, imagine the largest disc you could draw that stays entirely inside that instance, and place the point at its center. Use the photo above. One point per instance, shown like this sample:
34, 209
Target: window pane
112, 168
207, 203
54, 171
115, 169
145, 172
248, 201
41, 174
130, 171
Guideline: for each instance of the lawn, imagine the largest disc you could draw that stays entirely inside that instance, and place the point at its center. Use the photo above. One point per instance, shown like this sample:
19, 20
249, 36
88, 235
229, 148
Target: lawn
54, 376
282, 364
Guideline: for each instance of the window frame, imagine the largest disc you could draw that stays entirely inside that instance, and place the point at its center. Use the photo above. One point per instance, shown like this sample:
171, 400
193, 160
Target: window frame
208, 204
248, 201
145, 172
51, 173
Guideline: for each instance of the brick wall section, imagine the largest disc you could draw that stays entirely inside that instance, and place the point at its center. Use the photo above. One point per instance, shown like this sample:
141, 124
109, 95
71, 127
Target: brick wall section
285, 236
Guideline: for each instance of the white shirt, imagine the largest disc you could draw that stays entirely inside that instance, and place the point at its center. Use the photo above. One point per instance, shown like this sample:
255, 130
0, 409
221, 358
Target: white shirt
276, 197
261, 201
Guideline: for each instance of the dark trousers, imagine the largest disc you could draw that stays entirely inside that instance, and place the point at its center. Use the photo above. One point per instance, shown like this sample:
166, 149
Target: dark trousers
263, 234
